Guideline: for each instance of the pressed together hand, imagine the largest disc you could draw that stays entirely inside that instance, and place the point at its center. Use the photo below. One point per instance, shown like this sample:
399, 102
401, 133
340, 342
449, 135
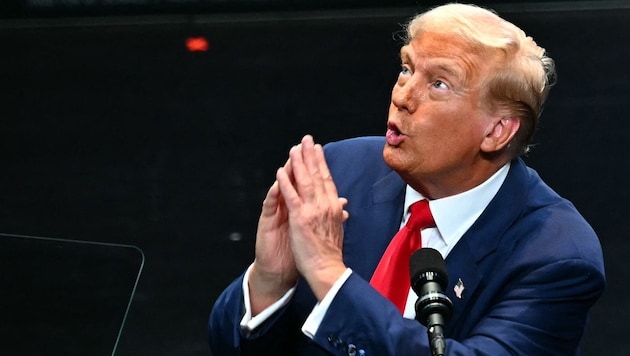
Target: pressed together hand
300, 230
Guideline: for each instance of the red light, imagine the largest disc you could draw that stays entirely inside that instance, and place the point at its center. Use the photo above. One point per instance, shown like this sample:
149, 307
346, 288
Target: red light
197, 44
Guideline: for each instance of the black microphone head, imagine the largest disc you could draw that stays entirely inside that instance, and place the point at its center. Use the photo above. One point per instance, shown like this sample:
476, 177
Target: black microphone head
427, 264
428, 280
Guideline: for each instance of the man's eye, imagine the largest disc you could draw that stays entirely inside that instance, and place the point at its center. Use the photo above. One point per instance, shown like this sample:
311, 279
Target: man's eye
404, 70
440, 85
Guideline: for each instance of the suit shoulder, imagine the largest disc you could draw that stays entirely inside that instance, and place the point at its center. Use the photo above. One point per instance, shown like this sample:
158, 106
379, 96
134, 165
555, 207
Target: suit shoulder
357, 156
553, 228
366, 144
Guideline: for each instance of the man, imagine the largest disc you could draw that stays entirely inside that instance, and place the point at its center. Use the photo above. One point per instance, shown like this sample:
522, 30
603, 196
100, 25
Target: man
524, 266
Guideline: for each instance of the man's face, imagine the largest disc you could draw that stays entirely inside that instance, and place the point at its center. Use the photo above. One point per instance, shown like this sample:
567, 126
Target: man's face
436, 124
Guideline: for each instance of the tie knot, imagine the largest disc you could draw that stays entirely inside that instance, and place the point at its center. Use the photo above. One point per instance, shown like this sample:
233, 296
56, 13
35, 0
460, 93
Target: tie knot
421, 216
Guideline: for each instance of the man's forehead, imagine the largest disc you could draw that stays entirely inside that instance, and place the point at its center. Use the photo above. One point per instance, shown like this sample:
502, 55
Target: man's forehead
431, 56
439, 44
446, 53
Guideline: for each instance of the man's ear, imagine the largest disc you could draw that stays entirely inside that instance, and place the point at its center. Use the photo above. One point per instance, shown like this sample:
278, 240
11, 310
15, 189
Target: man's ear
500, 134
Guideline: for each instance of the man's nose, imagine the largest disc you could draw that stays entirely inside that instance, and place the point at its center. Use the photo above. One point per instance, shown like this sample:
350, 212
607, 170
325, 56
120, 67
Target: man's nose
404, 96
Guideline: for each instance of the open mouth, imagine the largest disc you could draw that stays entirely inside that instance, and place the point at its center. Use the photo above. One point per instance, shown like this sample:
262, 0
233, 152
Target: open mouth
393, 136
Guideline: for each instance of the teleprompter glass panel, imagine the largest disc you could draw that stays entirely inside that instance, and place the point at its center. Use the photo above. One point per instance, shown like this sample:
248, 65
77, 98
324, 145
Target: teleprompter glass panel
64, 297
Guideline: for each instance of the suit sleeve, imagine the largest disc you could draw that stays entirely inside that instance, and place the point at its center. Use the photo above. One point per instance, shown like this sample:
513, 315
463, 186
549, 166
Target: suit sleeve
281, 331
223, 325
542, 312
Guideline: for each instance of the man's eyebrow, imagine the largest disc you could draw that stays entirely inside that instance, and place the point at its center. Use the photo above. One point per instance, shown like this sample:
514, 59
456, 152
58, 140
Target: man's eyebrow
436, 64
450, 69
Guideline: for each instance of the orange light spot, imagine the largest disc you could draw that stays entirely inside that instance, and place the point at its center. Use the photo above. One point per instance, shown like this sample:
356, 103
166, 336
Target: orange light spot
197, 44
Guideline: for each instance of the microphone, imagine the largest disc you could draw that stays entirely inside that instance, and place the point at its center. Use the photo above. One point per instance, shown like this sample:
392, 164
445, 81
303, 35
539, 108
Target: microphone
433, 308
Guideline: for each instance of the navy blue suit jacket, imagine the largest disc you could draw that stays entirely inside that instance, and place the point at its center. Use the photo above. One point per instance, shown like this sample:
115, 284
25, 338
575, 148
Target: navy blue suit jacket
532, 268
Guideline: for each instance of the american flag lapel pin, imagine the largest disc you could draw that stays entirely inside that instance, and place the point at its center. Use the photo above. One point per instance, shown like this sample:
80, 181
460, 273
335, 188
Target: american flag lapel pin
459, 288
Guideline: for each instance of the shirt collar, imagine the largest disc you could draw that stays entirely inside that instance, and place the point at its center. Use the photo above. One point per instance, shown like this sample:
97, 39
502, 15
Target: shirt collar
455, 214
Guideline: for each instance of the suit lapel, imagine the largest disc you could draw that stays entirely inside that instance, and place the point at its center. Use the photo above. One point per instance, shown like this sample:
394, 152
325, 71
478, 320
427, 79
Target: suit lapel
466, 261
373, 223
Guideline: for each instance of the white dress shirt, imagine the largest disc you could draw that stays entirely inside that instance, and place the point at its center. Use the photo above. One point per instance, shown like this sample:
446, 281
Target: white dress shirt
453, 216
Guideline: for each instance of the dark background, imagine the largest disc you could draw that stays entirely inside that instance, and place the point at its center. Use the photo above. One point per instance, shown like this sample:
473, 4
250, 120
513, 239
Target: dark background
111, 131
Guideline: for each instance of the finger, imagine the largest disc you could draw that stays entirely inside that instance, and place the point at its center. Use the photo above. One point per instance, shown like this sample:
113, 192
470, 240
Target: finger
308, 154
346, 214
328, 184
289, 170
270, 203
312, 164
288, 192
302, 177
273, 200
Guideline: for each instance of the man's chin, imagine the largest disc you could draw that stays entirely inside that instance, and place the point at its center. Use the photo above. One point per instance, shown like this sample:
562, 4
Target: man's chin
390, 155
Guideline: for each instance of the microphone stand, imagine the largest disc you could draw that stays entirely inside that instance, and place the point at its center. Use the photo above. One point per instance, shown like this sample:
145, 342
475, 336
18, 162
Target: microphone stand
435, 331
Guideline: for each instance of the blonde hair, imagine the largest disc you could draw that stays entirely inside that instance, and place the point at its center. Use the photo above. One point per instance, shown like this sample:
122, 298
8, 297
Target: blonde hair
524, 74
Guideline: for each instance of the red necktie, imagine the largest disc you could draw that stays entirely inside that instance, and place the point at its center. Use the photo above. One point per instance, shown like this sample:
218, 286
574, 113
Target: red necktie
391, 277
